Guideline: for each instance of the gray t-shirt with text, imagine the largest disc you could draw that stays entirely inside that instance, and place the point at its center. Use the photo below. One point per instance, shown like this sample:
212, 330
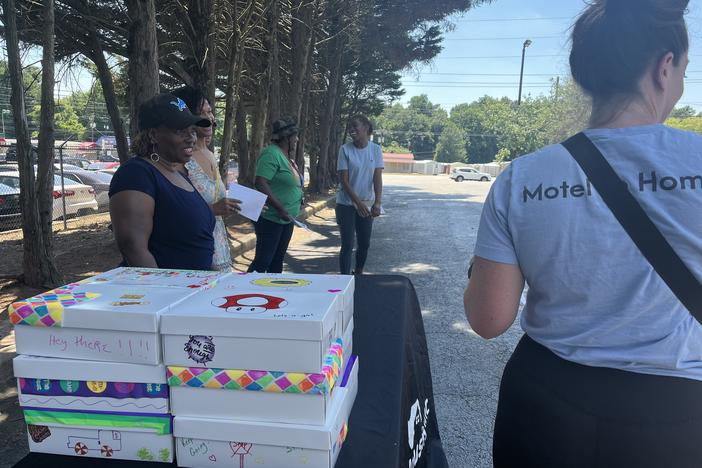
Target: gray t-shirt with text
593, 298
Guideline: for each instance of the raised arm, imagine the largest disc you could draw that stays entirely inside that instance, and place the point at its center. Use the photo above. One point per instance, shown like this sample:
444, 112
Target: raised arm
132, 215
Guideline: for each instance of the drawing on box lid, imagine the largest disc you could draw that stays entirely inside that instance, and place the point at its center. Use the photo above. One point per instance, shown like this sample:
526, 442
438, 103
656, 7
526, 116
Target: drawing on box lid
98, 306
219, 313
249, 303
193, 279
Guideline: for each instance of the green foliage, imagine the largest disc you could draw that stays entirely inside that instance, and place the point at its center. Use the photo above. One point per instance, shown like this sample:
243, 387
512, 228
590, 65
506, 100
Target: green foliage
395, 148
691, 124
66, 121
684, 112
452, 146
500, 127
31, 76
416, 127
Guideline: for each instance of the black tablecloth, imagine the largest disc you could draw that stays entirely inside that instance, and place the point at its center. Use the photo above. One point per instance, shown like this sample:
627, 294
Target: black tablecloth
395, 399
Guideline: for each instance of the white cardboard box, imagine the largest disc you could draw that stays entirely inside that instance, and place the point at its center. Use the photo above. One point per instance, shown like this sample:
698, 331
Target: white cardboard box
229, 328
131, 276
54, 383
257, 395
68, 434
283, 283
235, 443
95, 321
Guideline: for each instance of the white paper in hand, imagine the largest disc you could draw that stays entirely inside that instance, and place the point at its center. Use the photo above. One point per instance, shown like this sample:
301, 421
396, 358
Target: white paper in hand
252, 201
301, 225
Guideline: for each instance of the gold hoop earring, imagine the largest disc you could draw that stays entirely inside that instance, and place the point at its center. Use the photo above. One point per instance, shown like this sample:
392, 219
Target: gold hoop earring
154, 157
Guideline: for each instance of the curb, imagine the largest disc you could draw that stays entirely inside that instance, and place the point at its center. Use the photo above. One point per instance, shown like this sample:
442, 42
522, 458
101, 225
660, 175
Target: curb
248, 241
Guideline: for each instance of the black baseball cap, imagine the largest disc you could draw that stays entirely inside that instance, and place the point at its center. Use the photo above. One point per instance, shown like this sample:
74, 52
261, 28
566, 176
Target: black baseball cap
167, 110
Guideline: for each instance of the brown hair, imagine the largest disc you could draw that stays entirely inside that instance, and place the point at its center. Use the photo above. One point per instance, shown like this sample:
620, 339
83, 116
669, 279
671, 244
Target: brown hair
614, 42
141, 144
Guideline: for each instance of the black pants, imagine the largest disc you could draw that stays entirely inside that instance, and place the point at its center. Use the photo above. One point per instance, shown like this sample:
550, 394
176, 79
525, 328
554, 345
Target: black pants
351, 225
555, 413
272, 240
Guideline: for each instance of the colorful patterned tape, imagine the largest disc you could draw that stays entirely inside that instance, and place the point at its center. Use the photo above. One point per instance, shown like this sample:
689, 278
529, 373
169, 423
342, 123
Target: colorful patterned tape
262, 381
342, 436
92, 388
161, 424
46, 310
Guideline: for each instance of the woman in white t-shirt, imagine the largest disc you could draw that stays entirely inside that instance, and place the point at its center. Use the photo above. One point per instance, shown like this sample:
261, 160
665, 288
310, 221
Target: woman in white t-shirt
358, 198
609, 372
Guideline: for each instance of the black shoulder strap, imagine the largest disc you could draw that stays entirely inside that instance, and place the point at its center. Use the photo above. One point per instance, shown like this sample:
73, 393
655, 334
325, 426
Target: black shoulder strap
637, 224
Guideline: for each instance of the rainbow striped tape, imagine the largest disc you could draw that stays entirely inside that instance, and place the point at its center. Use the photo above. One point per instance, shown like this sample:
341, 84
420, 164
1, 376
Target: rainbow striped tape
46, 310
263, 381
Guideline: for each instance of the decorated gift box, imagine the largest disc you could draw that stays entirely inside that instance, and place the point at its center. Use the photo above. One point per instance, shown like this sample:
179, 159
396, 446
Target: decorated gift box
73, 384
274, 396
202, 442
157, 277
95, 321
95, 409
100, 434
232, 327
286, 284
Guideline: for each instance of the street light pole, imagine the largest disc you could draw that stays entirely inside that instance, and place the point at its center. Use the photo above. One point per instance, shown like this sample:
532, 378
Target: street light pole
527, 43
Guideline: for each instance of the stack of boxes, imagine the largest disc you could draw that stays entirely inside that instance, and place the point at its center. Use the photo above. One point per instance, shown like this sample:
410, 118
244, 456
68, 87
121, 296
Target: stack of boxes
256, 371
90, 375
259, 366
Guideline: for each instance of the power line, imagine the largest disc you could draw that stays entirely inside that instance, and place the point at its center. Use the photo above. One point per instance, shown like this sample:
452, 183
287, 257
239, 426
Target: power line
494, 57
500, 20
494, 74
520, 38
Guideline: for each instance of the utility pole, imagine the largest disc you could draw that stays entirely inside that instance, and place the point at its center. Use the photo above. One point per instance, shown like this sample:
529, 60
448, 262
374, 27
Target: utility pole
558, 83
526, 44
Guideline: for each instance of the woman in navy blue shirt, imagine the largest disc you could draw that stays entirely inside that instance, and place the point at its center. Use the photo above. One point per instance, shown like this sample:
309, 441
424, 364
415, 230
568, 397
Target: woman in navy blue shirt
159, 219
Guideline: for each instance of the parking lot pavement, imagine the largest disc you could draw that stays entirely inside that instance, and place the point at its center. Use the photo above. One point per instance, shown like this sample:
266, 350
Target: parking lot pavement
428, 235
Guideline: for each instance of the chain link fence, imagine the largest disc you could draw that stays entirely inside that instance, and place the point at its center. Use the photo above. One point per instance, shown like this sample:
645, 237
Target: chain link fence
82, 175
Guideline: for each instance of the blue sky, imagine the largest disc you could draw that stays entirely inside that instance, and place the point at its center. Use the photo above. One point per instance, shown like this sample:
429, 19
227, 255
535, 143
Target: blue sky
482, 55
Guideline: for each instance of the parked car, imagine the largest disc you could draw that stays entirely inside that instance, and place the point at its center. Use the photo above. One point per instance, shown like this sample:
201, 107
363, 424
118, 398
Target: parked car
80, 199
104, 157
468, 173
10, 213
75, 161
108, 171
99, 165
99, 181
11, 153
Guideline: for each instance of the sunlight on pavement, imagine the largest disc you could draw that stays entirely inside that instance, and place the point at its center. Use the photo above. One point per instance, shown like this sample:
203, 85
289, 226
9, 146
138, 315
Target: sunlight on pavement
464, 327
415, 268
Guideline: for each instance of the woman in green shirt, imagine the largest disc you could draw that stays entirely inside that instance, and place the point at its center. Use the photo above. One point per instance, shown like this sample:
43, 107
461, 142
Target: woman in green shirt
278, 177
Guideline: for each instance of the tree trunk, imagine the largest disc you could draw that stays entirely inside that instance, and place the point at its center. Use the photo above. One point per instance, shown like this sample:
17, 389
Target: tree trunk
231, 109
302, 37
300, 102
37, 261
242, 141
321, 181
143, 57
258, 131
211, 85
50, 275
200, 31
274, 63
108, 91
